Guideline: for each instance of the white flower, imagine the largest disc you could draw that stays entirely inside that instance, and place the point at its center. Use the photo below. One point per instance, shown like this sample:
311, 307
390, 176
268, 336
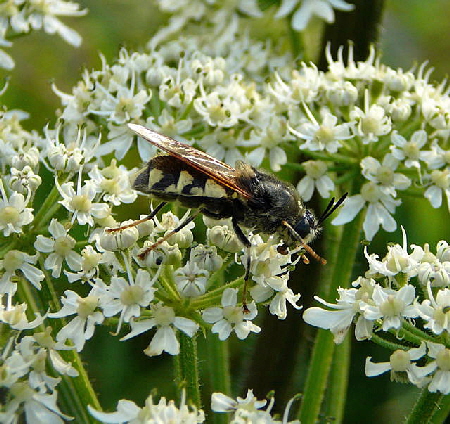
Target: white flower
408, 152
37, 406
168, 222
440, 380
302, 87
381, 205
165, 339
45, 340
268, 138
24, 180
315, 177
114, 182
249, 410
224, 238
225, 106
440, 184
437, 157
206, 257
14, 261
349, 306
265, 260
176, 90
13, 212
80, 202
60, 247
72, 152
391, 306
396, 261
223, 403
45, 15
231, 317
308, 8
126, 297
82, 326
191, 280
371, 123
324, 136
383, 173
90, 259
436, 311
119, 238
276, 285
433, 271
341, 93
122, 106
15, 316
6, 61
162, 412
401, 362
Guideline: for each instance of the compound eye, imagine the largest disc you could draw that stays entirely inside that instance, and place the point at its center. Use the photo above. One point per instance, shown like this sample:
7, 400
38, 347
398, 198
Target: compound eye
304, 226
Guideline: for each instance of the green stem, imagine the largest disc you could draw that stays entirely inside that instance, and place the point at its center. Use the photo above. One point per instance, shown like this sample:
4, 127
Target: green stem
218, 365
321, 361
387, 344
416, 334
213, 297
428, 408
442, 410
75, 392
47, 209
338, 381
186, 369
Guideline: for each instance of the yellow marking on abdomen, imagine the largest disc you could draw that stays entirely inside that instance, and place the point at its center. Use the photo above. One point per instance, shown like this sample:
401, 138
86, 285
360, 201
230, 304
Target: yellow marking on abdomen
212, 189
184, 180
155, 176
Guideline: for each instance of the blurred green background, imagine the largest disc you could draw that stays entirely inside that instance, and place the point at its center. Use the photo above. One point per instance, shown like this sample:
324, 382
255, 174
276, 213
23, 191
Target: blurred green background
413, 31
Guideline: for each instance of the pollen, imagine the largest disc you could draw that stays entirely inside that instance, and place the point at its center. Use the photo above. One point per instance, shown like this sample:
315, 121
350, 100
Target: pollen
385, 175
111, 186
132, 295
325, 134
443, 359
233, 314
9, 215
164, 315
392, 307
370, 125
81, 203
64, 245
87, 306
13, 260
400, 361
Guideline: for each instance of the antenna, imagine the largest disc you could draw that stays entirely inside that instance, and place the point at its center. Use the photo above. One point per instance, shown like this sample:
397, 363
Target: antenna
330, 209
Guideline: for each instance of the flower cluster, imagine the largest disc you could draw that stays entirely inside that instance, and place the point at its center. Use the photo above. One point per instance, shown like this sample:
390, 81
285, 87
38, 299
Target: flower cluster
26, 375
162, 412
354, 122
203, 16
250, 409
403, 300
61, 196
23, 16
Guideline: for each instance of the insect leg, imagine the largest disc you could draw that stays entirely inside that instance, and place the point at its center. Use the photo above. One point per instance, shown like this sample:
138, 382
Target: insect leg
139, 221
246, 242
144, 253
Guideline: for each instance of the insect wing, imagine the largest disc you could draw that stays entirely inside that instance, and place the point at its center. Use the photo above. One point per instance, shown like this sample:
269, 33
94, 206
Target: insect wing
217, 170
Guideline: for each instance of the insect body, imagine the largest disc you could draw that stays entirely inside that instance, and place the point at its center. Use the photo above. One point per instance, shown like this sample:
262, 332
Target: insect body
252, 198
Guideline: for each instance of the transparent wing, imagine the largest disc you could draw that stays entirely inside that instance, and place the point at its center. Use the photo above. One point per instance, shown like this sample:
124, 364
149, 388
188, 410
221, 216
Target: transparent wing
221, 172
